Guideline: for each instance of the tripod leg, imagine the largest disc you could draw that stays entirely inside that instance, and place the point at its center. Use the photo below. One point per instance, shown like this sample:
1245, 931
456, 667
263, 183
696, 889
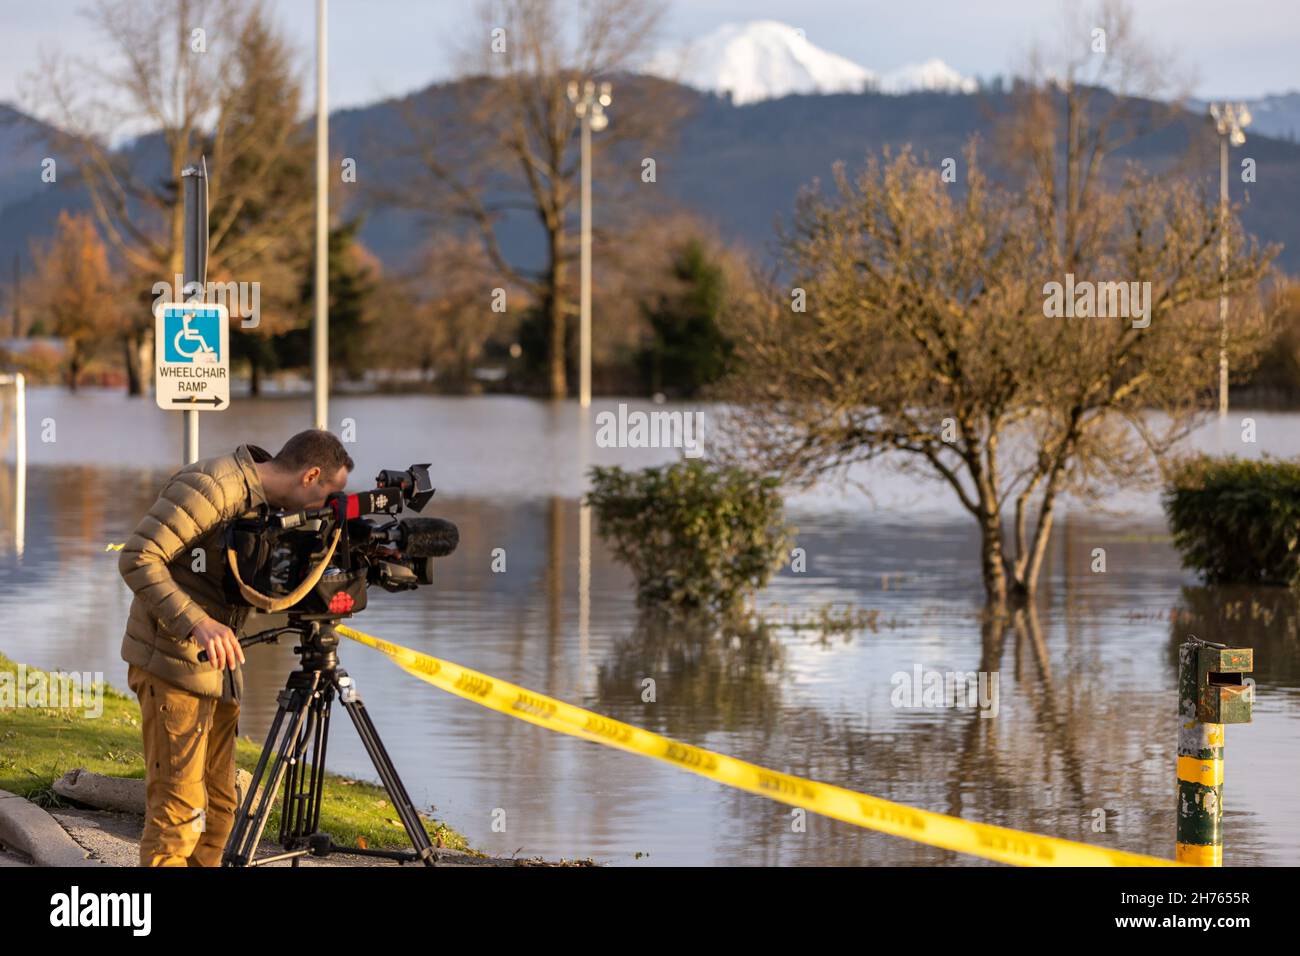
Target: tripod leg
304, 786
318, 761
297, 797
294, 702
384, 766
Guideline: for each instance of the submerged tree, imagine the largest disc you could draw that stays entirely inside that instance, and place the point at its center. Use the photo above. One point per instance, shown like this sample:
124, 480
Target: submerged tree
930, 331
698, 538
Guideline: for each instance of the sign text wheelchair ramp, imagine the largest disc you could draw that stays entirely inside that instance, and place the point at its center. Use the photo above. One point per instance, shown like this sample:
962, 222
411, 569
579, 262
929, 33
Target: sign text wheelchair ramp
192, 356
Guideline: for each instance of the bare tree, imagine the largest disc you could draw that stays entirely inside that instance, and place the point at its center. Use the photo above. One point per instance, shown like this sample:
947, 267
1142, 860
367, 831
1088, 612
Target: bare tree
511, 147
1098, 90
203, 76
454, 306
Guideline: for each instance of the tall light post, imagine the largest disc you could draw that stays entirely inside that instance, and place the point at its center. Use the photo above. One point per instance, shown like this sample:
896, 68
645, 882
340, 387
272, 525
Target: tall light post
1229, 119
320, 355
589, 100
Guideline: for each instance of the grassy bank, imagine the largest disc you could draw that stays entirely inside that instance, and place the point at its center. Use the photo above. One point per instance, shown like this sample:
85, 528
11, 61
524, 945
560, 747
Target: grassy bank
39, 744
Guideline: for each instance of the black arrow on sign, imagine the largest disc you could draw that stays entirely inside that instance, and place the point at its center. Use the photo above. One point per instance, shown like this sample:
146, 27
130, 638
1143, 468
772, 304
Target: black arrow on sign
214, 401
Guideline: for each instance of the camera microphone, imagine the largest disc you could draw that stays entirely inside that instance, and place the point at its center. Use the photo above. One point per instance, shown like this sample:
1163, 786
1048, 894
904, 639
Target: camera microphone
414, 537
427, 537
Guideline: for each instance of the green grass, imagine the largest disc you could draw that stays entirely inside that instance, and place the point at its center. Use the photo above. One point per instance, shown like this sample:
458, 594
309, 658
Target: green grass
38, 745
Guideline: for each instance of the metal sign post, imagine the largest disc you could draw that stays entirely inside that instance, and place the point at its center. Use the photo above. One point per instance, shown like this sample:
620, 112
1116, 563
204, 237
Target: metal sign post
192, 337
196, 270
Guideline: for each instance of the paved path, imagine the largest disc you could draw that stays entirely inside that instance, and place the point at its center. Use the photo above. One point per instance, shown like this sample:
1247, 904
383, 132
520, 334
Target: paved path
11, 859
114, 838
87, 837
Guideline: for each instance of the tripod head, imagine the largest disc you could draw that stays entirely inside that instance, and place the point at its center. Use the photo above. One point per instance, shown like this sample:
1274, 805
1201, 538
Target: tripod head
318, 644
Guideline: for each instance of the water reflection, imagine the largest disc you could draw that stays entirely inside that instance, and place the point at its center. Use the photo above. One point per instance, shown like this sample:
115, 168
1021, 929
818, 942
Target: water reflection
719, 680
1087, 678
1267, 619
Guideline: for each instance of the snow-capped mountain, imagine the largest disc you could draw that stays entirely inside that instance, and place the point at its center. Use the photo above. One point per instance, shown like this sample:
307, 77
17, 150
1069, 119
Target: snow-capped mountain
932, 75
765, 59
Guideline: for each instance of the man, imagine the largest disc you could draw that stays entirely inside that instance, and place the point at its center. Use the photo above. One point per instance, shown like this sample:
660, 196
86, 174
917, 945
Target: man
174, 562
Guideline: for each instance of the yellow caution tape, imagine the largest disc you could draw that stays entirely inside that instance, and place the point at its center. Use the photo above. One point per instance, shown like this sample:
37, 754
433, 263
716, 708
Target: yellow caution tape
1001, 844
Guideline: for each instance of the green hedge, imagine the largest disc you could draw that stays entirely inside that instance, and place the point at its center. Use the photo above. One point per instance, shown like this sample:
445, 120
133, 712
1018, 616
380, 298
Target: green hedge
1236, 521
697, 537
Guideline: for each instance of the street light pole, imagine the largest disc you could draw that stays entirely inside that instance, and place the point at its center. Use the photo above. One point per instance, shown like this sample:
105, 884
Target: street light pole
1223, 270
320, 325
584, 350
590, 105
1229, 120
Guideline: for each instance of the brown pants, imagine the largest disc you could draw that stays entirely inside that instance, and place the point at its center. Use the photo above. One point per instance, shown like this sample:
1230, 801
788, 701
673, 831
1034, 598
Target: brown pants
189, 757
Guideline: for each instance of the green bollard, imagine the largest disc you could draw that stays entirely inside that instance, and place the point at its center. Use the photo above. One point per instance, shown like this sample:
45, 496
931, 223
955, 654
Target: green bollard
1212, 691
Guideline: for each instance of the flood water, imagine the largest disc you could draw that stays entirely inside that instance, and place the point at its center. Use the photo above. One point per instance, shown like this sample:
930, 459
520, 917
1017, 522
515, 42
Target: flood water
1085, 727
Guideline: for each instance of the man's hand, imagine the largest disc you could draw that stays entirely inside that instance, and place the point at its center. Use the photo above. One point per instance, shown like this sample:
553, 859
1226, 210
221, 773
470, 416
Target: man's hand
220, 643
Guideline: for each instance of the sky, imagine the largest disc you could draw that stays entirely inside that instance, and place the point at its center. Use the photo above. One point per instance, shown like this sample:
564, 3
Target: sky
381, 48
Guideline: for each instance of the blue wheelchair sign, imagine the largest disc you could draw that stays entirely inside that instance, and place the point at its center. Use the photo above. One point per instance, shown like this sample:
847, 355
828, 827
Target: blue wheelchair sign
191, 356
192, 335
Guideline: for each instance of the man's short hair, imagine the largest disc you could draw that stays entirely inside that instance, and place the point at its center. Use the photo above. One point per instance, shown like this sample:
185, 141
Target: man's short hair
314, 448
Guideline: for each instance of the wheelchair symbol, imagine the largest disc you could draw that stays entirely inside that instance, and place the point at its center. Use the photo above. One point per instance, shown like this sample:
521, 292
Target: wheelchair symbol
199, 351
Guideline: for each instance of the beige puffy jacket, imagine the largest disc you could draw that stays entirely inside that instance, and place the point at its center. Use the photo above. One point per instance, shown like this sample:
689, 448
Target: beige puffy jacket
159, 563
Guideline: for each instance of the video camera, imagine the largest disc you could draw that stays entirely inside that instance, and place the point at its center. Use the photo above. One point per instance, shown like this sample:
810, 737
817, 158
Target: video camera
317, 564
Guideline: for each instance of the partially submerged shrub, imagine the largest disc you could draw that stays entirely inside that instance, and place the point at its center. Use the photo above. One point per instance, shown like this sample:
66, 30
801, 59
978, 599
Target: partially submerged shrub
1236, 521
697, 537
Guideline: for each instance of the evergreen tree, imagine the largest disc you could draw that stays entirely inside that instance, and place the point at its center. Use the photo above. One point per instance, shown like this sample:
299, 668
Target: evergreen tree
688, 350
351, 286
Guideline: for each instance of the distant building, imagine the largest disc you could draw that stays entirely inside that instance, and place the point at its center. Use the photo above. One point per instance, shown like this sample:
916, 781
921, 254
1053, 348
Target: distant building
40, 357
48, 344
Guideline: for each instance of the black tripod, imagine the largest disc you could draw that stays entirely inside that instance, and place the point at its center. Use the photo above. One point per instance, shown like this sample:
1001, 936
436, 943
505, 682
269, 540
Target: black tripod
301, 722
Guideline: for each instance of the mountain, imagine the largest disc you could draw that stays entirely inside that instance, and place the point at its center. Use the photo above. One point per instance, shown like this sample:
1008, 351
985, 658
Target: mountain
742, 166
1277, 116
24, 143
766, 60
931, 76
739, 166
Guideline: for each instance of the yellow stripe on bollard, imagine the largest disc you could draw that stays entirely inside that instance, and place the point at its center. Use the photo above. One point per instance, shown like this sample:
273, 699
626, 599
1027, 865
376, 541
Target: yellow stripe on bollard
1000, 844
1195, 854
1200, 770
